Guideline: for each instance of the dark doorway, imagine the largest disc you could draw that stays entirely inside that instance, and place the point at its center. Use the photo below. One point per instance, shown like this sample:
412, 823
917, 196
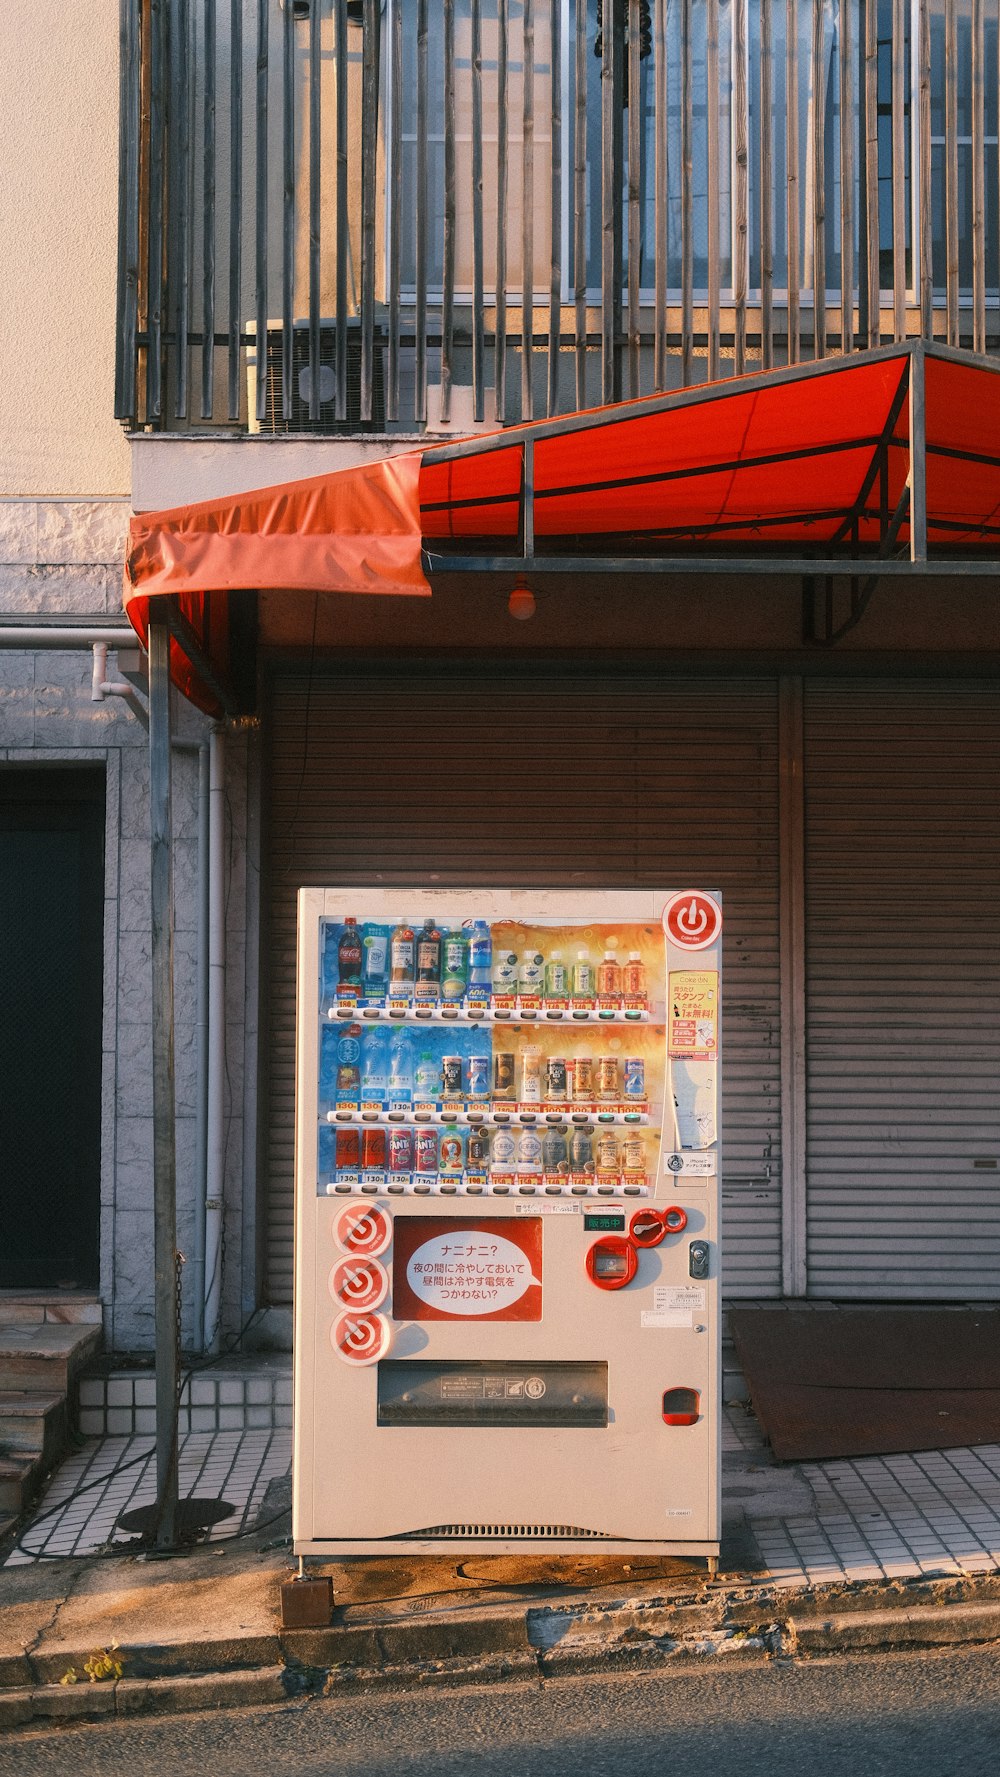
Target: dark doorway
51, 971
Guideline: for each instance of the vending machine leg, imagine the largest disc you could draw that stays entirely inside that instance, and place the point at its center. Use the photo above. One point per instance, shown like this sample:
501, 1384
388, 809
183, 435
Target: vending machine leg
306, 1603
713, 1566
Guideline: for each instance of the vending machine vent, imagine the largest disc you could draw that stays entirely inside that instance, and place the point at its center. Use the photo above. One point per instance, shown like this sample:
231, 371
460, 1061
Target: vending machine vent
521, 1532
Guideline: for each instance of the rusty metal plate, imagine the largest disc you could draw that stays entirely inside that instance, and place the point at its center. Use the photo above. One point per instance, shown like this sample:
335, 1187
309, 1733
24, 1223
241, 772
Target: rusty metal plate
826, 1383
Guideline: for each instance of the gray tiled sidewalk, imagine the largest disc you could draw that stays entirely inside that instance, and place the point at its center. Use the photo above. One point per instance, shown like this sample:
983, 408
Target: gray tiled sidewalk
232, 1465
934, 1513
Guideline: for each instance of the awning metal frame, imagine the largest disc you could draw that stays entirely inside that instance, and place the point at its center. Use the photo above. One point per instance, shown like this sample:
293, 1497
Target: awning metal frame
854, 564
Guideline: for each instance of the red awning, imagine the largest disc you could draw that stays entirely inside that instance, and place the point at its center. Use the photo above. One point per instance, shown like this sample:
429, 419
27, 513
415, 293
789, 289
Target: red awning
813, 461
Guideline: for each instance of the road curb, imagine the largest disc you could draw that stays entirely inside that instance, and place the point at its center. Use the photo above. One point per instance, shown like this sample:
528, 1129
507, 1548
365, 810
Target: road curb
738, 1625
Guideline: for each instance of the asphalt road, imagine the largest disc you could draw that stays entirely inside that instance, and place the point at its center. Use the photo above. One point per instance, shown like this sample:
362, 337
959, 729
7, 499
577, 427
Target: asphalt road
935, 1715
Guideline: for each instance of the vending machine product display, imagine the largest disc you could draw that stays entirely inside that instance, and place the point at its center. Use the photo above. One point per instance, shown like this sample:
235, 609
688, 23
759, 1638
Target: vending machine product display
507, 1202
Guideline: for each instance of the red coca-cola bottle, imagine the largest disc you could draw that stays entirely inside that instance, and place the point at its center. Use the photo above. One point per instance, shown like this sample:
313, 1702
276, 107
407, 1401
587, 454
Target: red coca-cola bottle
349, 955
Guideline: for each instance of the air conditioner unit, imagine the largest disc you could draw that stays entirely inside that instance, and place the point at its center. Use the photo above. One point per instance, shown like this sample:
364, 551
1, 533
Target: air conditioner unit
299, 419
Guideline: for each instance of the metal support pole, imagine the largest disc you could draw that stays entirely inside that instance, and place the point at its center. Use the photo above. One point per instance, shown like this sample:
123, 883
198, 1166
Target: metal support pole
215, 1169
164, 1154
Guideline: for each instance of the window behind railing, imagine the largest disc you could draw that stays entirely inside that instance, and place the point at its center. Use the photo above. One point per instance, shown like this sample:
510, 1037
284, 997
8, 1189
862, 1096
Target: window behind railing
335, 214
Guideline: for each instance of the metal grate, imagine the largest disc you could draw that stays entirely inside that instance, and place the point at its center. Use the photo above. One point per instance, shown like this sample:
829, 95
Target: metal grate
299, 419
523, 1532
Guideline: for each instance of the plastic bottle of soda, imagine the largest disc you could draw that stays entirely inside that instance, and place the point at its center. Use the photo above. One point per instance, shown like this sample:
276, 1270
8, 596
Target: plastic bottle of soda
454, 966
609, 976
634, 976
349, 1065
374, 961
428, 977
374, 1067
556, 984
583, 977
427, 1078
328, 1063
531, 974
401, 961
401, 1068
504, 975
480, 955
349, 955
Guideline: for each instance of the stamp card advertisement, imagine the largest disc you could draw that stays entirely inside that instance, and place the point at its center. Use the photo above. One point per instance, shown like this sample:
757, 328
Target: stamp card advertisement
693, 1015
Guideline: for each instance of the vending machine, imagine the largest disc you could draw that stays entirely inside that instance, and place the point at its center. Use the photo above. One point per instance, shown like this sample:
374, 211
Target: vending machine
507, 1324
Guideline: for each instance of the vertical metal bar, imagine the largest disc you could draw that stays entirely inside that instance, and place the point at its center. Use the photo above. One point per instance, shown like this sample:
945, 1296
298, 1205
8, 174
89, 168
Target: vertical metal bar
634, 197
128, 211
611, 204
208, 219
371, 61
580, 203
527, 210
157, 219
260, 241
846, 177
926, 233
687, 207
741, 195
528, 498
164, 1153
951, 166
448, 260
872, 262
661, 191
818, 181
395, 203
767, 186
918, 455
500, 335
287, 207
712, 113
978, 182
478, 294
179, 219
235, 206
791, 830
898, 169
343, 215
555, 207
315, 189
420, 316
792, 175
202, 1052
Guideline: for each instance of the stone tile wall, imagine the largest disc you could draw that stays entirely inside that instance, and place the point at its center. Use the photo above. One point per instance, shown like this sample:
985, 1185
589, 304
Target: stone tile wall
64, 558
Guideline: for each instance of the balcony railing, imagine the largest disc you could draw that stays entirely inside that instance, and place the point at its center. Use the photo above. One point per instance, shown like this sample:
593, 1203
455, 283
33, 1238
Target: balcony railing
380, 215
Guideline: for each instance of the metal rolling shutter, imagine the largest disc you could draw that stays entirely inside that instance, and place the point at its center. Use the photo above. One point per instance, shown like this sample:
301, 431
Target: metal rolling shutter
518, 775
903, 970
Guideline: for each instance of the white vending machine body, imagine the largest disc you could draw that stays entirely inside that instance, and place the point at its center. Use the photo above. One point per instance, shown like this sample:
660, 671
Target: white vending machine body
507, 1319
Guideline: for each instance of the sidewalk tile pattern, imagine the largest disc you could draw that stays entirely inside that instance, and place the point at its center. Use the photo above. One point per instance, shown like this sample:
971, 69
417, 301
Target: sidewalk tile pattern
113, 1475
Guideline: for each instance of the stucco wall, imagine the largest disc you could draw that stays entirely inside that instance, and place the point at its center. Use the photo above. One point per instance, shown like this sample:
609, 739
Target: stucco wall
58, 250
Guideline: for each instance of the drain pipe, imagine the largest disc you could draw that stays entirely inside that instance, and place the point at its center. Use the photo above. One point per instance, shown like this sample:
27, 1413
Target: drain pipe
101, 686
215, 1142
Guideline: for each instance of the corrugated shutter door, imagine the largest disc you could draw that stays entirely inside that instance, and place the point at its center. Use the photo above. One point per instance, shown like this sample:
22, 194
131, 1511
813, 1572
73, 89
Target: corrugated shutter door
903, 971
434, 772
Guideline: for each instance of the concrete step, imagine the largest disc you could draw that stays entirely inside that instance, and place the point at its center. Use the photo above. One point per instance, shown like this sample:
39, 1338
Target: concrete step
18, 1477
33, 1424
44, 1355
67, 1307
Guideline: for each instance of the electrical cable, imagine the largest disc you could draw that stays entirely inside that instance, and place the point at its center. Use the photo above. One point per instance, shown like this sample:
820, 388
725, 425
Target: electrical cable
193, 1367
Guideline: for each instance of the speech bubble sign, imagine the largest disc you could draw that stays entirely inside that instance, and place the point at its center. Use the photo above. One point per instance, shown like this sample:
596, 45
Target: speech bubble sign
468, 1273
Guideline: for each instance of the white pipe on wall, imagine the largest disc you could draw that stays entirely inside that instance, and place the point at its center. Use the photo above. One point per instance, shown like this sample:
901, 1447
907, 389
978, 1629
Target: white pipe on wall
216, 1142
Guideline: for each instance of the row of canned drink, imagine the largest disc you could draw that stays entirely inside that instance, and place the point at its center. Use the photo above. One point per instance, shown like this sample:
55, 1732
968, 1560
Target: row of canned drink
556, 1152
